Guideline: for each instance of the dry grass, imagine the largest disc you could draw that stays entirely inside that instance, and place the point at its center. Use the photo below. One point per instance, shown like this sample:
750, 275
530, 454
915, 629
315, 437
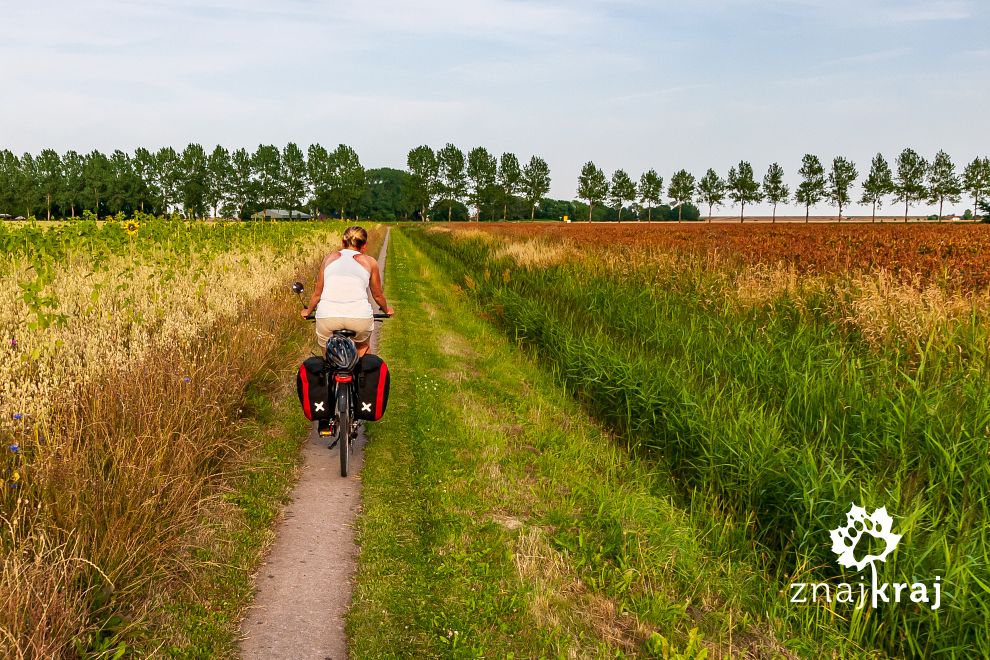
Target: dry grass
536, 253
882, 307
37, 610
758, 285
128, 416
468, 233
455, 345
884, 310
110, 504
558, 599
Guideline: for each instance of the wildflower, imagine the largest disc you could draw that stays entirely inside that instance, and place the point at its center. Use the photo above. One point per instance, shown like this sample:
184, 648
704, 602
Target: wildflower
132, 226
18, 417
15, 477
186, 379
14, 447
13, 343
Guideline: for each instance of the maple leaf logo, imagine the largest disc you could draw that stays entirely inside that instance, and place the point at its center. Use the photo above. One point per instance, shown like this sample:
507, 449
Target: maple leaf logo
877, 525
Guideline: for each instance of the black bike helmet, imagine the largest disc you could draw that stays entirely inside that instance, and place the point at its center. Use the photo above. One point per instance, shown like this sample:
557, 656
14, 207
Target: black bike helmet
341, 353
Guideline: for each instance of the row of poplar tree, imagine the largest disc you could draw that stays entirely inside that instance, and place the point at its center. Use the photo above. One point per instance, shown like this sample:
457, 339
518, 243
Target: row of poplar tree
230, 182
440, 183
447, 177
914, 180
237, 183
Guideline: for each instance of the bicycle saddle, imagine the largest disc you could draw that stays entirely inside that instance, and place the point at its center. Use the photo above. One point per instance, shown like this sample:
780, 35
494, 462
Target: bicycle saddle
344, 333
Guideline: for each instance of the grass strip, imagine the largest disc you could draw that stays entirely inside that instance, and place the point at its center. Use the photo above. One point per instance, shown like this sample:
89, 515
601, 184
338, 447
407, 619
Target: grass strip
499, 521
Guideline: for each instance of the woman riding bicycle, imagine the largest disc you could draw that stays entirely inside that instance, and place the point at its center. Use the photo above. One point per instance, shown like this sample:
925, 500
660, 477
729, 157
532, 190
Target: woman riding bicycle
341, 294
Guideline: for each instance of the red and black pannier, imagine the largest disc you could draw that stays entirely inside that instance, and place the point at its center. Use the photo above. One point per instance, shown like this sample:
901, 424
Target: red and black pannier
372, 388
314, 394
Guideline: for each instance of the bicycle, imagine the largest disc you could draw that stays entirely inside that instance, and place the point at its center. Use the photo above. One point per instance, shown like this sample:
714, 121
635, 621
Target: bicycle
341, 357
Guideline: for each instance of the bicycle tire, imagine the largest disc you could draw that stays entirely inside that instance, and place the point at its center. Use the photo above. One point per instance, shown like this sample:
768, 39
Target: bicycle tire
344, 429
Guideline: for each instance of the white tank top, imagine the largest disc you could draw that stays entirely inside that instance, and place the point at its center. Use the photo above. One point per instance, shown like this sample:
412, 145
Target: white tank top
345, 289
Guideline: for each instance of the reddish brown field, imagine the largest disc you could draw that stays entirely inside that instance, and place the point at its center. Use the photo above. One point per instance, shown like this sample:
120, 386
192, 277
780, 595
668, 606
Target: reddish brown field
957, 256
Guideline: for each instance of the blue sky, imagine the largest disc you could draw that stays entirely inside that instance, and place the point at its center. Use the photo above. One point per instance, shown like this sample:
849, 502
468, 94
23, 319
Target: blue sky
629, 83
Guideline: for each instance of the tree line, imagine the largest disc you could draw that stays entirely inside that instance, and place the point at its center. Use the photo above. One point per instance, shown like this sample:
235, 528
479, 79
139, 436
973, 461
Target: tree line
913, 181
448, 177
234, 183
238, 183
444, 184
449, 184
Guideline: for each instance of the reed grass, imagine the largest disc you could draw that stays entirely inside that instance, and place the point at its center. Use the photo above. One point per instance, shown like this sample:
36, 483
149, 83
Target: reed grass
777, 415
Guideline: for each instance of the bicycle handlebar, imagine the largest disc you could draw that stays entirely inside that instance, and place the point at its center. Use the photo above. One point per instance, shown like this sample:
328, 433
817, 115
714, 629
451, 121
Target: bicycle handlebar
377, 317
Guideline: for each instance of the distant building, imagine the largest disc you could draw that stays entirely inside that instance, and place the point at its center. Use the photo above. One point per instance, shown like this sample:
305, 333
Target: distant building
279, 214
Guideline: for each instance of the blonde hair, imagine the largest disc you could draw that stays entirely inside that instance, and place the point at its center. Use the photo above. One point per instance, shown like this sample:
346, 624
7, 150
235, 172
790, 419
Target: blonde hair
355, 237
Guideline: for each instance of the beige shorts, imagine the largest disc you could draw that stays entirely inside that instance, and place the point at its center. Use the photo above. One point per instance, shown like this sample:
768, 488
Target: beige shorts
325, 328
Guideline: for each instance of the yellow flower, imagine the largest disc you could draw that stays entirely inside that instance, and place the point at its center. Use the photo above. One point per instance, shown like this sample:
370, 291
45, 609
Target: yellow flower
132, 226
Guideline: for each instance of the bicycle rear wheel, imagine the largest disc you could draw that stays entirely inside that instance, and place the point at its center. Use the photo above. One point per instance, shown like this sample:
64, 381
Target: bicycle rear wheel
344, 432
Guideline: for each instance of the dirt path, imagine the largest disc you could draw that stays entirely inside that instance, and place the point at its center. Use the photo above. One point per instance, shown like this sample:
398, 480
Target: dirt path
304, 588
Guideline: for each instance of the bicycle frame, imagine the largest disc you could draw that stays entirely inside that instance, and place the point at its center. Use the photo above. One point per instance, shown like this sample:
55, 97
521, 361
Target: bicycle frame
343, 390
342, 372
343, 380
344, 384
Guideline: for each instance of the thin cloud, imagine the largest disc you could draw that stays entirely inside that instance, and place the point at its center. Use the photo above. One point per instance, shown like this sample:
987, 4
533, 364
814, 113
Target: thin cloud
866, 58
493, 18
947, 10
265, 24
663, 92
976, 54
877, 11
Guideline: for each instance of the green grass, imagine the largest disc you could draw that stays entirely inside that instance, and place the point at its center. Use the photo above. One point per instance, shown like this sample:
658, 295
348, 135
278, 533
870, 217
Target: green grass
500, 521
775, 418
